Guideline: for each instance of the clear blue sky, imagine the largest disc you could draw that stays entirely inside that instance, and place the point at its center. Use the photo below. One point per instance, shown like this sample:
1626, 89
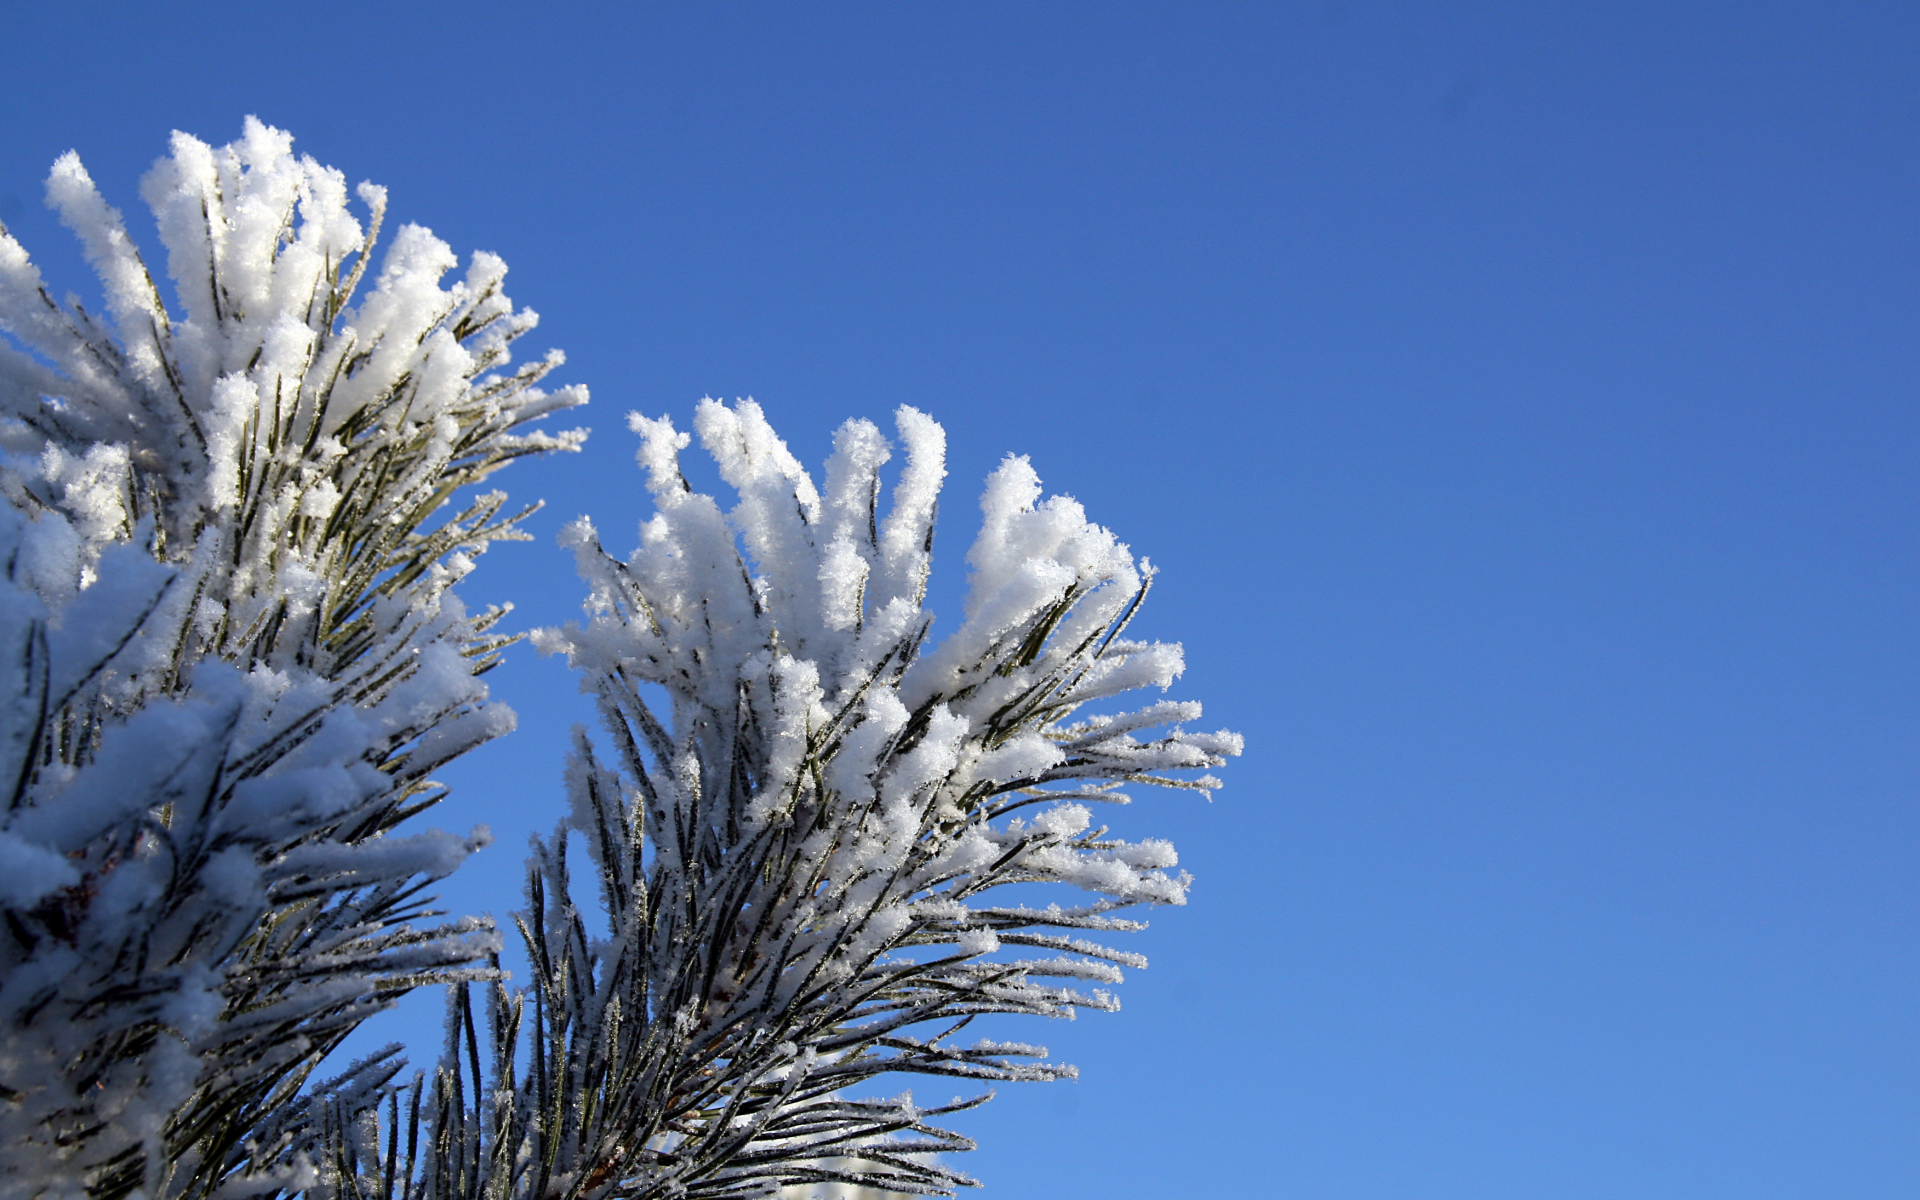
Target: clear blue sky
1520, 401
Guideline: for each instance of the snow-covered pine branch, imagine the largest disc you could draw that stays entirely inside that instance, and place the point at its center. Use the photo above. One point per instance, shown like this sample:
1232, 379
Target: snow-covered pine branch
230, 659
797, 858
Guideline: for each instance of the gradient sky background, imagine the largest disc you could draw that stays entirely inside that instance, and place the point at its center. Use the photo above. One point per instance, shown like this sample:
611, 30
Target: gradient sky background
1518, 398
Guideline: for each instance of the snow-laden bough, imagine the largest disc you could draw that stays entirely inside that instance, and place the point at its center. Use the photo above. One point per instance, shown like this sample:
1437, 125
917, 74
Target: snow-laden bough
804, 827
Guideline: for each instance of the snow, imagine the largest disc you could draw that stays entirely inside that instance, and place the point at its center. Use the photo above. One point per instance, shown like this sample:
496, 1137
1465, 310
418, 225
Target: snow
28, 872
825, 805
228, 657
231, 658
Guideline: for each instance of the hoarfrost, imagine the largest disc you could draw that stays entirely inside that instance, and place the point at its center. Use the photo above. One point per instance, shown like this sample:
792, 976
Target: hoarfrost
796, 854
229, 660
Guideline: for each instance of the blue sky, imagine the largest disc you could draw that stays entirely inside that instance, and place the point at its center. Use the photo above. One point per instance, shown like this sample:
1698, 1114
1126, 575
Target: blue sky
1519, 400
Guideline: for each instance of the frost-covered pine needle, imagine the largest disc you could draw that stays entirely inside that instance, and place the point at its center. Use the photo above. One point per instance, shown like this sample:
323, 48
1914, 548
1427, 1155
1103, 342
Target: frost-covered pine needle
230, 660
798, 833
